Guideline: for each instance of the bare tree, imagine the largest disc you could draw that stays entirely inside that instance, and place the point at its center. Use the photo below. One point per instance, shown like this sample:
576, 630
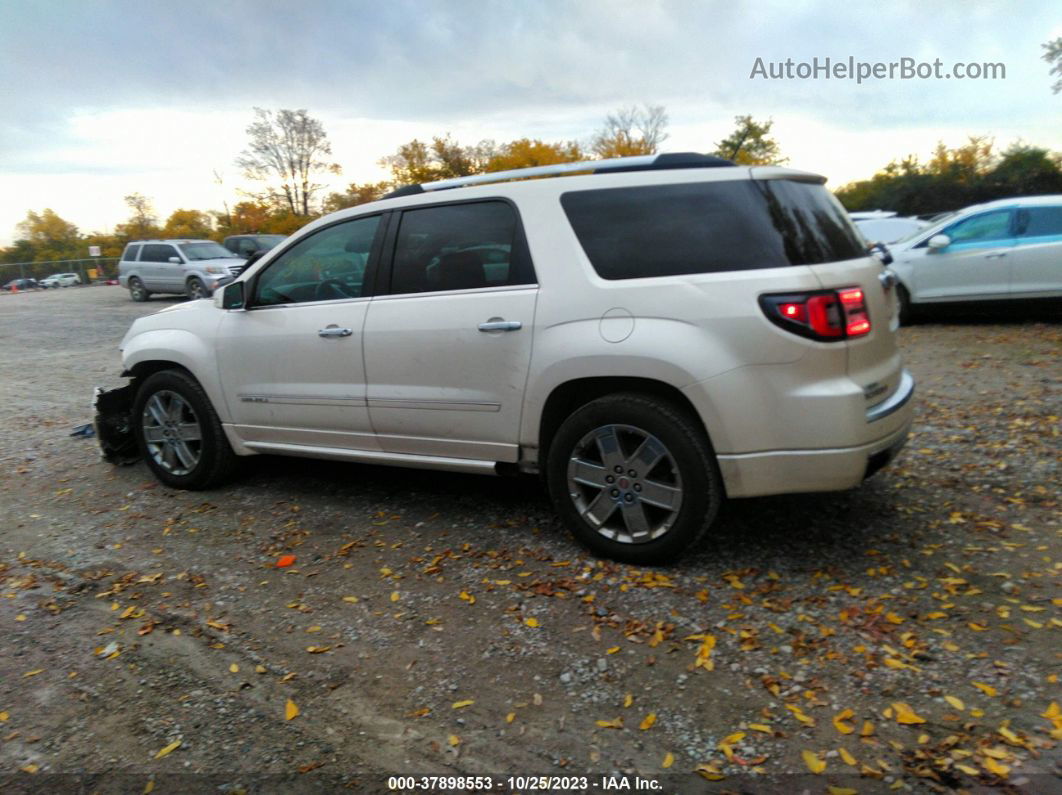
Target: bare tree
631, 131
287, 147
1053, 55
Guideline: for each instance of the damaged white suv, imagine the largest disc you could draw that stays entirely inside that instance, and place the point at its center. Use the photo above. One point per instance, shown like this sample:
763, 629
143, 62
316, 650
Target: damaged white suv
653, 334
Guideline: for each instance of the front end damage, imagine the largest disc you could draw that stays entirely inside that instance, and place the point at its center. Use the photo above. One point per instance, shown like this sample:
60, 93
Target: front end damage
114, 424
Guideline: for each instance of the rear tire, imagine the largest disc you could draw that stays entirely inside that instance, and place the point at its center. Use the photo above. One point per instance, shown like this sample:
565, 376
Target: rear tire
137, 291
903, 299
634, 478
179, 433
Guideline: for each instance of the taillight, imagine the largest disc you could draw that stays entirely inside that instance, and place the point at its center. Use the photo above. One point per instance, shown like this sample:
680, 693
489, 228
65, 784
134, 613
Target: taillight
824, 315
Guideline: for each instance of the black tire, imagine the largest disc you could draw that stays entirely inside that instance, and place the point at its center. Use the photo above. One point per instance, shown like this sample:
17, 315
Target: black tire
196, 289
689, 464
137, 291
903, 300
210, 460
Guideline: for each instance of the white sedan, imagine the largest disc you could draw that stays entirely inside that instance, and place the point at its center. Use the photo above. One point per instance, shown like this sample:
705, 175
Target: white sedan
61, 280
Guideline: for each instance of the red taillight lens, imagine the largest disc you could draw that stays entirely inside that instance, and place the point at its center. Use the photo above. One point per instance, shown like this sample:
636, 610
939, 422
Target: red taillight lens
856, 319
827, 316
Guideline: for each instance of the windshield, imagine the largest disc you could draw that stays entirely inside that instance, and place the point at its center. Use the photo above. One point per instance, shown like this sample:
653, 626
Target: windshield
207, 250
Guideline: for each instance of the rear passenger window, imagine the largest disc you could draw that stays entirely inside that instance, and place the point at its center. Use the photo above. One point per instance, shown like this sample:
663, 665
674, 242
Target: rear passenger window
1040, 222
708, 227
131, 253
458, 247
154, 252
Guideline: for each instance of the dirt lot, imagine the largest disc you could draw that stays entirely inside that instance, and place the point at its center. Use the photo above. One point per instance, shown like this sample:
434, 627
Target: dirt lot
901, 636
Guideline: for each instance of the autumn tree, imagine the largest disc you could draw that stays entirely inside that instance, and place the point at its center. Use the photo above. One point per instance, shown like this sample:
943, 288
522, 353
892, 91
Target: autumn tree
288, 151
631, 131
49, 236
1053, 55
416, 162
750, 144
528, 153
356, 194
187, 224
142, 223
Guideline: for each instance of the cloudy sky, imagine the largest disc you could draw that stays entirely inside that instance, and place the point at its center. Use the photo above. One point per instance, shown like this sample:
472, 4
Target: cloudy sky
102, 98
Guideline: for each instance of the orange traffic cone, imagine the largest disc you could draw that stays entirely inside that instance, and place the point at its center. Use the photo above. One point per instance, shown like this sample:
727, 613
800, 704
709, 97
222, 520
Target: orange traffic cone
14, 287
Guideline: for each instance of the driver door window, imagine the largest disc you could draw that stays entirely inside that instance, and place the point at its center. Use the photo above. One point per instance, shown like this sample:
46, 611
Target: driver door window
981, 229
329, 265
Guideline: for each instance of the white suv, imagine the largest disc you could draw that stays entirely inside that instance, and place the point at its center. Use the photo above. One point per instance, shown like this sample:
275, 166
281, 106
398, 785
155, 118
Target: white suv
60, 280
654, 336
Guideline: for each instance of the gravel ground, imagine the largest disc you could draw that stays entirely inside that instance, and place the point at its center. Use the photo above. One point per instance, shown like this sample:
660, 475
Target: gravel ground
902, 636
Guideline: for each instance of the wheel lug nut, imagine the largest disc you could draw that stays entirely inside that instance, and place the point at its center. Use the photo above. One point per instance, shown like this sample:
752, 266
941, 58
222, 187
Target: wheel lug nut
618, 469
614, 492
629, 498
637, 486
609, 479
632, 473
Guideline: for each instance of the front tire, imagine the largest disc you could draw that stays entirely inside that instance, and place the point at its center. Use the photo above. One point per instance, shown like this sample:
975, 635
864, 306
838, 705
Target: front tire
634, 478
137, 291
179, 433
196, 289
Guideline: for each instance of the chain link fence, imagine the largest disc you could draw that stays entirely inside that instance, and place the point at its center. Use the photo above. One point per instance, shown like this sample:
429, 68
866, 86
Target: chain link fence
90, 269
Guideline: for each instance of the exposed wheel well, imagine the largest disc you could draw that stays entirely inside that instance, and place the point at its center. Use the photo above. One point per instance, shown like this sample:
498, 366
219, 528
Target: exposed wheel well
141, 370
570, 396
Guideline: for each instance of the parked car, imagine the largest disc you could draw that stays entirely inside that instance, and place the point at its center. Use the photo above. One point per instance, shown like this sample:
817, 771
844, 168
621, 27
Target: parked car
655, 336
21, 284
246, 245
191, 267
1005, 250
888, 230
60, 280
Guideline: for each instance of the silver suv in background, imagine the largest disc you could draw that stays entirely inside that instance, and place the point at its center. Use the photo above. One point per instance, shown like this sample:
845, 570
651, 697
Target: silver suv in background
191, 267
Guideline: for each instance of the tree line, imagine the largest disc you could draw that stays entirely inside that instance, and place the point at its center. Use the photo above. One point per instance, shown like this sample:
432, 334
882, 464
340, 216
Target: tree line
288, 155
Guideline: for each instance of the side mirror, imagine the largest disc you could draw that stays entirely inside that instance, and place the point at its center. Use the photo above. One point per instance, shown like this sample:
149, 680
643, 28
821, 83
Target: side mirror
881, 253
232, 296
175, 260
939, 241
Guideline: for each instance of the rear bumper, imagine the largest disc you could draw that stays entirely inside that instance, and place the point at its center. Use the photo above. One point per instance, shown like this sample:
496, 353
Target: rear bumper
794, 471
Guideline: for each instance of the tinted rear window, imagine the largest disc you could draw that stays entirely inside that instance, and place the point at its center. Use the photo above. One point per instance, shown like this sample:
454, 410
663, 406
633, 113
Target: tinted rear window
131, 253
707, 227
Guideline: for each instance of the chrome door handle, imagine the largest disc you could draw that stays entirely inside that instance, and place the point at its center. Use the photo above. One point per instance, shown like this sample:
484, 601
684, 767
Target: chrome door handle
334, 331
501, 325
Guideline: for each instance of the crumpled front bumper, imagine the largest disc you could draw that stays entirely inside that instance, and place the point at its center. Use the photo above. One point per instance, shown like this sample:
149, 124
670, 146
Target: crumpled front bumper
113, 422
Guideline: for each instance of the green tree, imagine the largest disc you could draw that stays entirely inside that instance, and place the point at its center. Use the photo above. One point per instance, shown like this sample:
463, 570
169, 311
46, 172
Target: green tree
188, 224
751, 144
631, 131
288, 149
1053, 55
50, 237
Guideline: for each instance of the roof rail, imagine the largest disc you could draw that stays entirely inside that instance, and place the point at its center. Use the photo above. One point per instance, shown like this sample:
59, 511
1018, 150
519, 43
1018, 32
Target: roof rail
610, 166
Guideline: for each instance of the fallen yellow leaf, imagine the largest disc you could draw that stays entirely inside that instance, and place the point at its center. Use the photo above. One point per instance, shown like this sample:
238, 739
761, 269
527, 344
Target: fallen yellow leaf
3, 717
234, 668
761, 727
647, 722
841, 791
395, 596
454, 740
628, 700
992, 766
669, 760
847, 757
33, 673
905, 715
352, 599
168, 749
988, 690
510, 717
531, 622
461, 704
840, 725
290, 710
955, 702
813, 761
615, 723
